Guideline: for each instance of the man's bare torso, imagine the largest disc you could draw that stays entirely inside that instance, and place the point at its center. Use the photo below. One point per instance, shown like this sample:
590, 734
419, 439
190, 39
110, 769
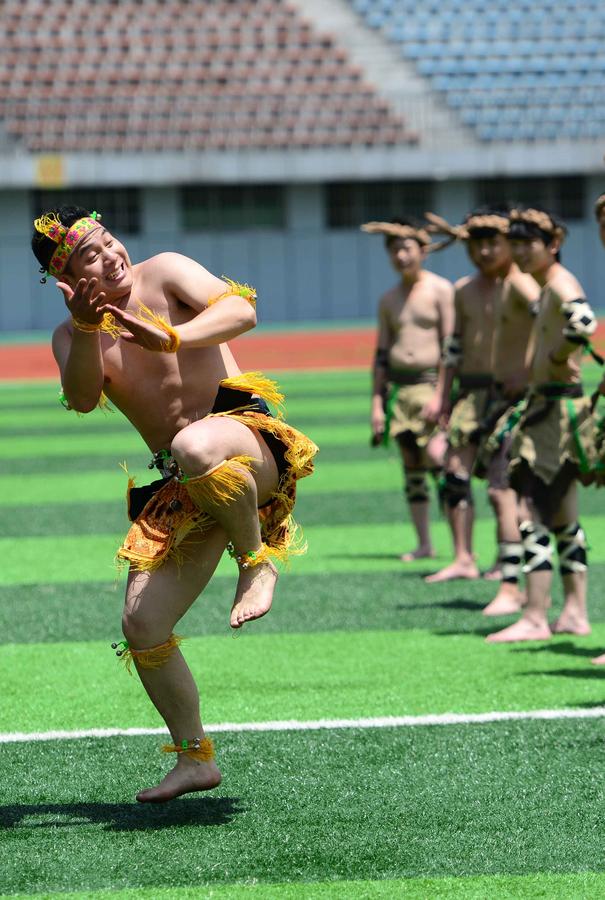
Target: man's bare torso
161, 393
411, 318
477, 299
515, 321
563, 286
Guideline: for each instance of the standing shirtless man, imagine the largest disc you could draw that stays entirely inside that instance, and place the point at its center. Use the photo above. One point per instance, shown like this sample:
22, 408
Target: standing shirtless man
515, 320
469, 356
152, 338
553, 444
414, 319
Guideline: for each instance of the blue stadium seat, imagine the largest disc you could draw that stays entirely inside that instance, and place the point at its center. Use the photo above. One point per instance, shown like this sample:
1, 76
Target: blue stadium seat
536, 70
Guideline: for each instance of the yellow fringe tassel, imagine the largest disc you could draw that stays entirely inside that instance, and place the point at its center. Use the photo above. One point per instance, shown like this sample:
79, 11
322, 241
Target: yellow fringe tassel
199, 749
222, 484
154, 657
237, 289
256, 383
144, 314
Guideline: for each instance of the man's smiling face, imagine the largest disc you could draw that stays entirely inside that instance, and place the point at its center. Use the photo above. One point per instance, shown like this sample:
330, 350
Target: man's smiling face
100, 255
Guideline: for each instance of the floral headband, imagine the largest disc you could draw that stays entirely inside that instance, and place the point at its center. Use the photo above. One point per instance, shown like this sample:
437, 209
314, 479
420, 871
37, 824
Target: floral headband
66, 237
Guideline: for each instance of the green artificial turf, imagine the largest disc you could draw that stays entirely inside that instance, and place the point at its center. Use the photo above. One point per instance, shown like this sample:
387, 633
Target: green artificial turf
306, 676
369, 804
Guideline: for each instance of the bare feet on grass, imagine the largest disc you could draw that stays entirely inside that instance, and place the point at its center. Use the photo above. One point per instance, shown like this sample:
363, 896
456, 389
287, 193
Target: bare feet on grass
523, 630
187, 776
508, 601
570, 623
254, 593
598, 660
422, 552
457, 569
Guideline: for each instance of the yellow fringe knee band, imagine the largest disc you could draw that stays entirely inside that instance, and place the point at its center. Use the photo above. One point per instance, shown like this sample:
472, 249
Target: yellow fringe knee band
201, 749
222, 484
151, 658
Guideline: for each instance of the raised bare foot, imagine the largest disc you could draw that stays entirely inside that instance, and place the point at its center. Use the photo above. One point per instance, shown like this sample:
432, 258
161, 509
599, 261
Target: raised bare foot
254, 593
419, 553
454, 570
570, 624
598, 660
188, 775
523, 630
508, 600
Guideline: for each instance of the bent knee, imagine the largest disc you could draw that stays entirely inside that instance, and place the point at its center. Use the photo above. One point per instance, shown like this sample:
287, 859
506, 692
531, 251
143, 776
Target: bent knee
141, 633
192, 450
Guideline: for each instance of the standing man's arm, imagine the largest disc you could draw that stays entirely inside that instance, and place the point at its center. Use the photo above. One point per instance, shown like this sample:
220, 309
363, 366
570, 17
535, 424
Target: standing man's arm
451, 357
379, 373
580, 325
78, 355
445, 328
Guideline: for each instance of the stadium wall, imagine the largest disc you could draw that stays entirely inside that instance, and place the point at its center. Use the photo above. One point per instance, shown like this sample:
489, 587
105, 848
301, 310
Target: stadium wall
303, 271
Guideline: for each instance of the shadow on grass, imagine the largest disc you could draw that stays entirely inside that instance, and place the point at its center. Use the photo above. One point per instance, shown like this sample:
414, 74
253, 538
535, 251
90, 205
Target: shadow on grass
564, 648
458, 603
594, 673
122, 816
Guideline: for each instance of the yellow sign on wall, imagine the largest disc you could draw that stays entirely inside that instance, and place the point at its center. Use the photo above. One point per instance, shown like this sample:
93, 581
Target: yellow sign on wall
50, 171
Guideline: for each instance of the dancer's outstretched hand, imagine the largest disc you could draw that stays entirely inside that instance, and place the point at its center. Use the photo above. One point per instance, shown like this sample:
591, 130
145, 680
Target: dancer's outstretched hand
83, 301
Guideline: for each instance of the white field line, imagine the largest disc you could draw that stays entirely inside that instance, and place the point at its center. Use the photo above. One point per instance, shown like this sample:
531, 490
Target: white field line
596, 712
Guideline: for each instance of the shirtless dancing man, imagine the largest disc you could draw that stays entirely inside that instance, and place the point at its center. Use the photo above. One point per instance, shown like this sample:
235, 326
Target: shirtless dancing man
517, 311
151, 337
415, 317
554, 440
468, 355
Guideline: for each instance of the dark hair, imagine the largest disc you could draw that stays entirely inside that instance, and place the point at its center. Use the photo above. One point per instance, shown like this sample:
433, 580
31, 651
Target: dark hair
525, 231
411, 222
495, 209
42, 246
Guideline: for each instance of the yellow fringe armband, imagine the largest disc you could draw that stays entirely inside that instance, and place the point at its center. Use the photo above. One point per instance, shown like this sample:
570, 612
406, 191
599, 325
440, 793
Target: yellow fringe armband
222, 484
152, 658
107, 324
144, 314
258, 384
236, 289
201, 749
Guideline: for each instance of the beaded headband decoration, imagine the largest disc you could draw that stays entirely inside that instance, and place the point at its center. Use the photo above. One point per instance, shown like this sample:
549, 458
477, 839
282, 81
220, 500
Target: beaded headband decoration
493, 222
66, 238
538, 219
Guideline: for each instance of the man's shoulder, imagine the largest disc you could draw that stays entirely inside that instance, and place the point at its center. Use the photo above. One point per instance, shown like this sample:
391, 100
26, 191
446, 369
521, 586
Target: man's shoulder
564, 286
438, 283
390, 296
464, 286
168, 260
522, 285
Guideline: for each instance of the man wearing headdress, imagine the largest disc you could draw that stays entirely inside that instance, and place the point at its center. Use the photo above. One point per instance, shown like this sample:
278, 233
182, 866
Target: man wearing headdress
468, 355
414, 319
151, 337
515, 319
553, 446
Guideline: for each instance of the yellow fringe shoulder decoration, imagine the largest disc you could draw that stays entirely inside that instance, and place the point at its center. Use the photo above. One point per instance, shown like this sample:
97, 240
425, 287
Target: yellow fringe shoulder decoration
154, 657
259, 384
236, 288
144, 314
221, 484
200, 749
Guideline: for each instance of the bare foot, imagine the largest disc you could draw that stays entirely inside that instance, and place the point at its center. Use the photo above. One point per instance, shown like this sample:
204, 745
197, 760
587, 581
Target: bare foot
493, 574
453, 571
254, 594
188, 775
508, 600
598, 660
419, 553
523, 630
568, 624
